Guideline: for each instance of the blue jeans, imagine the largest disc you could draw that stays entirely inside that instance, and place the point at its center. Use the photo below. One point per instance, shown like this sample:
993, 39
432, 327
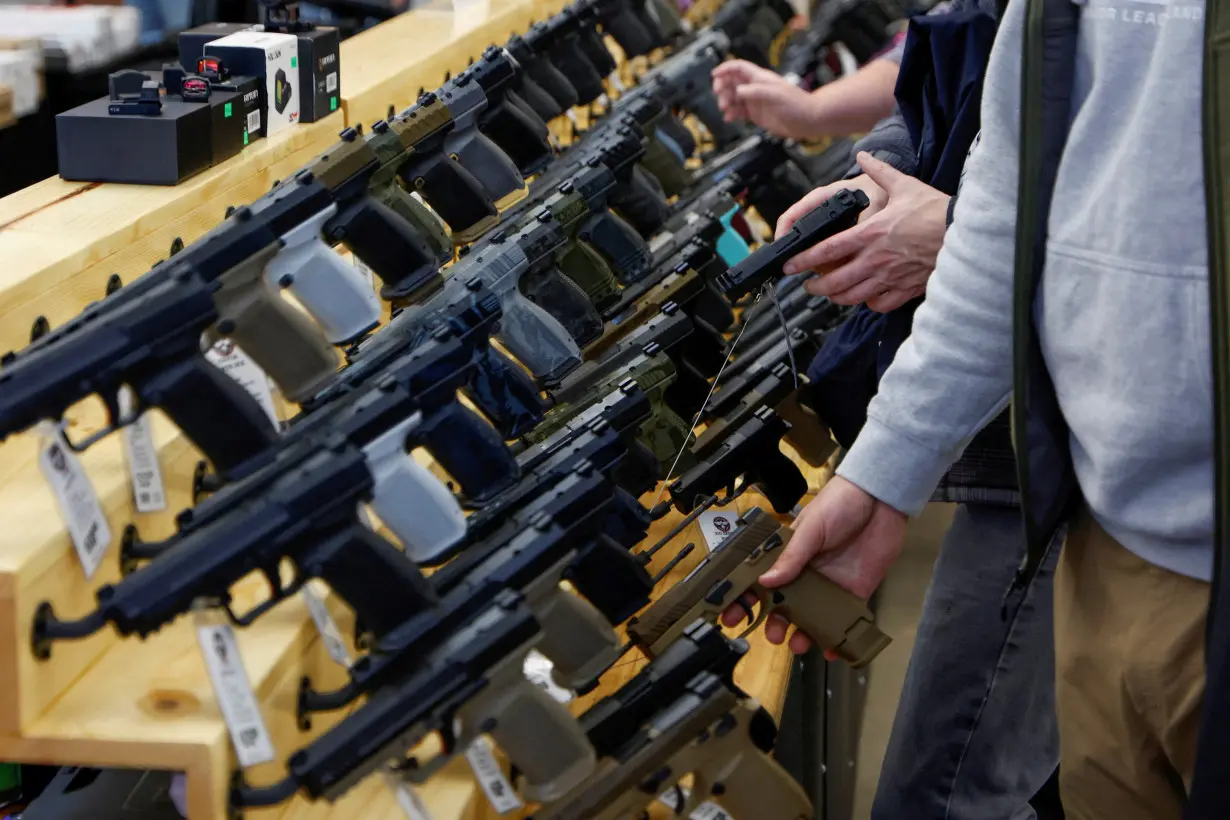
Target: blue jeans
975, 734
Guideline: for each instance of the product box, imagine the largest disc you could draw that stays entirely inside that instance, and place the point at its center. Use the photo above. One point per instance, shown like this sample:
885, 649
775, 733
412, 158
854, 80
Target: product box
275, 57
320, 72
185, 139
192, 41
106, 794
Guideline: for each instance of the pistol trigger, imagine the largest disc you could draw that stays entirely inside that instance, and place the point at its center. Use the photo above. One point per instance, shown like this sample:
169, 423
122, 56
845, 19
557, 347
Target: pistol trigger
274, 577
680, 800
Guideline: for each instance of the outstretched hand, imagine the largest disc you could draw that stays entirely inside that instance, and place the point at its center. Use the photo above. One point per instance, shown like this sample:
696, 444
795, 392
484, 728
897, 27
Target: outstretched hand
844, 533
884, 260
747, 92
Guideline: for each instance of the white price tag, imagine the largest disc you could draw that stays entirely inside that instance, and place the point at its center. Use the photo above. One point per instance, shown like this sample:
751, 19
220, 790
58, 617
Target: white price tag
572, 115
227, 356
235, 696
407, 798
500, 793
75, 496
538, 670
148, 492
716, 526
705, 811
335, 644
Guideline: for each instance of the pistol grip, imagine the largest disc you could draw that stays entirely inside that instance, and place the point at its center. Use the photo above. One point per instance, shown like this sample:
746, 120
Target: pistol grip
666, 436
565, 301
540, 737
581, 73
749, 784
520, 133
412, 502
575, 636
624, 249
705, 106
281, 339
494, 170
594, 48
536, 338
590, 272
551, 80
213, 410
453, 192
774, 196
666, 166
808, 435
780, 480
539, 101
390, 246
505, 393
429, 226
712, 308
332, 290
642, 202
833, 617
675, 135
470, 450
629, 33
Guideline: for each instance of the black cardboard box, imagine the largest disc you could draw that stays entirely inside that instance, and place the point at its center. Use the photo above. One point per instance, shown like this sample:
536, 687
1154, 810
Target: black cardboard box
184, 140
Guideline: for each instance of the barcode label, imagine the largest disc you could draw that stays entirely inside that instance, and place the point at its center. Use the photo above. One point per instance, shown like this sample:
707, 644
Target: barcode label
254, 122
148, 492
331, 82
75, 496
500, 793
236, 699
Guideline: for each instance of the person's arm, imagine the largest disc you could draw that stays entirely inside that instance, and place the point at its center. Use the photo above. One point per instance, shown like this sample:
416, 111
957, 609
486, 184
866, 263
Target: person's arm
954, 373
855, 103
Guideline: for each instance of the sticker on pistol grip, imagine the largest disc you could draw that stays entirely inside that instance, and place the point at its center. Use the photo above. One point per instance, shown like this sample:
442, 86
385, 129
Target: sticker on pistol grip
500, 793
148, 492
75, 496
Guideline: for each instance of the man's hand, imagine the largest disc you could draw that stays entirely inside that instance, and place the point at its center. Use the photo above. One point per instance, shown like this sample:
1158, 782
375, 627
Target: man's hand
887, 258
748, 92
844, 533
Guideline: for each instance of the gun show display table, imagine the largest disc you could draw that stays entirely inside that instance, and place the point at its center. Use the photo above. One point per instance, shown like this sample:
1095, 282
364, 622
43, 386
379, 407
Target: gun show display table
106, 702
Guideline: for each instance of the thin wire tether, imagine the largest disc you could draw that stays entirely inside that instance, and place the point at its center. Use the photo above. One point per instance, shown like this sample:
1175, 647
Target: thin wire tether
781, 317
700, 413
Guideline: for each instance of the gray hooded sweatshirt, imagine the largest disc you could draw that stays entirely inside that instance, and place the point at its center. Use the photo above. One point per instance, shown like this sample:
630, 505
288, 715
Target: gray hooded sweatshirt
1123, 313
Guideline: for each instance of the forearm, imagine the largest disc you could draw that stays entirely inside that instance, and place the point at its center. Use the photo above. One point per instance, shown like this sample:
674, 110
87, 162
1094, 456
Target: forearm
954, 373
854, 104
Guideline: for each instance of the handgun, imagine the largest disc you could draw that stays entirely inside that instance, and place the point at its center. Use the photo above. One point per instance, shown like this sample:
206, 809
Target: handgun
751, 452
784, 391
558, 38
615, 719
684, 81
469, 684
507, 119
668, 144
309, 516
767, 176
151, 343
577, 205
722, 739
451, 189
796, 347
831, 616
665, 433
385, 188
544, 334
753, 26
684, 287
696, 352
592, 43
836, 214
388, 239
528, 554
620, 19
540, 70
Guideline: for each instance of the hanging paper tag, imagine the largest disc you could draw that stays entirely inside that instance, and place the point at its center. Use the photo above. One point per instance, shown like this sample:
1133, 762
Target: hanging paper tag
705, 811
538, 670
407, 798
227, 356
500, 793
716, 526
365, 270
236, 699
148, 492
75, 496
335, 645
